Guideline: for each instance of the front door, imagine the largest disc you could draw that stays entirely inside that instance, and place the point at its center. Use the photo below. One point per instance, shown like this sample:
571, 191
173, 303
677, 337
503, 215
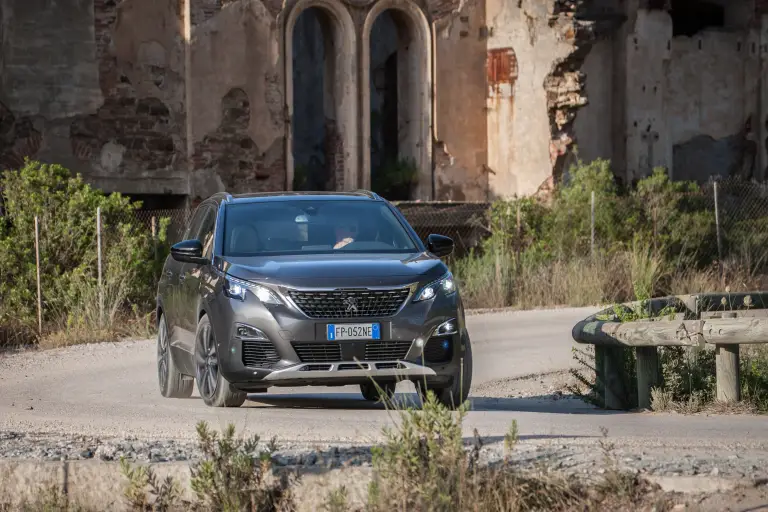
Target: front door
191, 279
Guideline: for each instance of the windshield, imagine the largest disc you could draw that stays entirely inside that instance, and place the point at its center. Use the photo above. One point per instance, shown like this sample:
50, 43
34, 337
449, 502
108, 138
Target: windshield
313, 227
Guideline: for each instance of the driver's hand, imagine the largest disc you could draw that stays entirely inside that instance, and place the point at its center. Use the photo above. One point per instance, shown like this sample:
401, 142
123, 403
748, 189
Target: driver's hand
343, 242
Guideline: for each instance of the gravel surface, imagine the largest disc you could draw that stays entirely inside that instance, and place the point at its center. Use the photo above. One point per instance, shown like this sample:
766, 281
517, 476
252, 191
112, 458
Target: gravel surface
571, 457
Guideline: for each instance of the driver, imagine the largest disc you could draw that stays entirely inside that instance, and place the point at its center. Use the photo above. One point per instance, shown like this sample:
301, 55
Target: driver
346, 232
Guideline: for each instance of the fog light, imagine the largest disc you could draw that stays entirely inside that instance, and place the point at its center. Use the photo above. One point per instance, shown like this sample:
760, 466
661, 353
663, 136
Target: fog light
446, 345
446, 328
419, 342
248, 332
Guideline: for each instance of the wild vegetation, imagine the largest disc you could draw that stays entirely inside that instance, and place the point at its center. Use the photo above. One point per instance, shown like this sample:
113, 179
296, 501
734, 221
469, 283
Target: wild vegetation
653, 239
73, 308
424, 464
657, 238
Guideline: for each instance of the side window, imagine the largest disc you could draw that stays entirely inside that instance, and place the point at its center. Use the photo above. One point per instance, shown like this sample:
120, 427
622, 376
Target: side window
194, 224
206, 232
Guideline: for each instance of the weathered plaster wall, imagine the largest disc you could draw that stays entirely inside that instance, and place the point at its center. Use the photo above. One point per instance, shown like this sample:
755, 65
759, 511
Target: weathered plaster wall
691, 102
49, 72
96, 87
711, 101
519, 128
236, 107
460, 154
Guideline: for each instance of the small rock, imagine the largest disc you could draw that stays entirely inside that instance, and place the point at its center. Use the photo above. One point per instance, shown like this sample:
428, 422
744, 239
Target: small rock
86, 454
715, 472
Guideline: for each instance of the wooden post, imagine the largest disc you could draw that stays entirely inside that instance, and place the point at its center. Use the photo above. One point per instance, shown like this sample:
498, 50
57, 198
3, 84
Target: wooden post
613, 366
728, 370
39, 291
154, 236
592, 238
717, 230
98, 248
600, 374
647, 375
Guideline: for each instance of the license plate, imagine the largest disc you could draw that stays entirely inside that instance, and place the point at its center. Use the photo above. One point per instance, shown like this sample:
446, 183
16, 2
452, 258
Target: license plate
354, 332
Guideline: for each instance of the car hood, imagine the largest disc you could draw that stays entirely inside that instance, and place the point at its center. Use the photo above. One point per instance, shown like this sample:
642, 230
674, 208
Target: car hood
336, 270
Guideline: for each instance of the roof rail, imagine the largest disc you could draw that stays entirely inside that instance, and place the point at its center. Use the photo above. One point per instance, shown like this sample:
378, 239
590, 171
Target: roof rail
372, 195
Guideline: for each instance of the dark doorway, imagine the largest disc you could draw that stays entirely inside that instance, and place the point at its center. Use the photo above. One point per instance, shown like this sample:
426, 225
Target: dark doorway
392, 176
312, 68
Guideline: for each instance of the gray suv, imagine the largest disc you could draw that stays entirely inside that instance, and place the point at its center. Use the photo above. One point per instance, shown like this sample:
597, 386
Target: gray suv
320, 289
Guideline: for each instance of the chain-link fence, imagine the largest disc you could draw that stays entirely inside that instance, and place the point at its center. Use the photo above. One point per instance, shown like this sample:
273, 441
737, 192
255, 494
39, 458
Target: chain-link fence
719, 220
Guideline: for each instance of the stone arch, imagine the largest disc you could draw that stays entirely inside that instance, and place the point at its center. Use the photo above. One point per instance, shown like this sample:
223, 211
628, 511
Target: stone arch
340, 94
415, 85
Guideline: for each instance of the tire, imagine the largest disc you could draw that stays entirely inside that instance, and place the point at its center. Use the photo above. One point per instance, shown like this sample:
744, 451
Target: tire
458, 392
213, 387
385, 391
173, 384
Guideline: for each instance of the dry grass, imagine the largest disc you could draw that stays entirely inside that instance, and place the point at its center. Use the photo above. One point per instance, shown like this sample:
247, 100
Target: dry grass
499, 280
123, 326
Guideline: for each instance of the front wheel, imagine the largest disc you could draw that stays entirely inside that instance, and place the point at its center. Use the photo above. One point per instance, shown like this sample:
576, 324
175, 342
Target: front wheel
458, 392
214, 388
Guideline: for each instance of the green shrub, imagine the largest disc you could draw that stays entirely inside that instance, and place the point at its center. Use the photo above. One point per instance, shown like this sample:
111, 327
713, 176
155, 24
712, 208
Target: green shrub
66, 209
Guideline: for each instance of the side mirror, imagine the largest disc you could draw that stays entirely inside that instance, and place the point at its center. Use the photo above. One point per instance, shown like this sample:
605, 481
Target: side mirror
440, 245
189, 251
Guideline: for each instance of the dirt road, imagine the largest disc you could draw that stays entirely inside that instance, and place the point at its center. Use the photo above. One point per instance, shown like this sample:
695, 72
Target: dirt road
111, 390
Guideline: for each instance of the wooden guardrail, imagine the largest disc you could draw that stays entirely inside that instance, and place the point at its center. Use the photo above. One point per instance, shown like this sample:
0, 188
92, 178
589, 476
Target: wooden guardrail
725, 320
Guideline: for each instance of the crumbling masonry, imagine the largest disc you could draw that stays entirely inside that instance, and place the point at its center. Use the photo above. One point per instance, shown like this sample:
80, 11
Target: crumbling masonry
488, 98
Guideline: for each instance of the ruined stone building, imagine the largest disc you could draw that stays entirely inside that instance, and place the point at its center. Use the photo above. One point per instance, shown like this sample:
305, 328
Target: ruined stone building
177, 99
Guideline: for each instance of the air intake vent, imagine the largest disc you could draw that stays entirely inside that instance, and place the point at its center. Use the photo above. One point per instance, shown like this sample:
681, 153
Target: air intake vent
438, 351
259, 354
386, 350
318, 352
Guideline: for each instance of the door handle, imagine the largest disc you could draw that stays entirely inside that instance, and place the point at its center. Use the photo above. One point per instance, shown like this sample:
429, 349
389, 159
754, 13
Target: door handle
169, 273
182, 277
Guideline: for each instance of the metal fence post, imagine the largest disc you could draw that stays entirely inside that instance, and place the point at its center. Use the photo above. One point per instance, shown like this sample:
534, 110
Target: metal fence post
592, 237
98, 249
717, 228
154, 236
37, 265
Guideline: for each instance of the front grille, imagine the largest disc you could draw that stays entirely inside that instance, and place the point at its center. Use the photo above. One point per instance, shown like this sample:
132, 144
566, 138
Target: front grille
318, 352
386, 350
435, 351
352, 303
259, 354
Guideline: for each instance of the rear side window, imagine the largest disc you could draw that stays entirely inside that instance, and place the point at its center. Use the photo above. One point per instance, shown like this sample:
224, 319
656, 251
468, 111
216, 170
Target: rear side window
313, 227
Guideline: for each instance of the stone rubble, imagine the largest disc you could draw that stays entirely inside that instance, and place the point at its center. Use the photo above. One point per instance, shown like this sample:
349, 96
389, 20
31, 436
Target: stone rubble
579, 459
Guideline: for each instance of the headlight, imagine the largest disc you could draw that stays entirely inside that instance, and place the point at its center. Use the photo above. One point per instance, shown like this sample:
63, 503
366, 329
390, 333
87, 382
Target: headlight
445, 284
236, 289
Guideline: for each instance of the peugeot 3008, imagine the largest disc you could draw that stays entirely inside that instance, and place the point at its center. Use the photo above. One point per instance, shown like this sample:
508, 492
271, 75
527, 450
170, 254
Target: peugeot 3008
294, 289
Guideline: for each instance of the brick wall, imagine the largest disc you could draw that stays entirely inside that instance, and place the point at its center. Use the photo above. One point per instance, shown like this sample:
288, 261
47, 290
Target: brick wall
234, 156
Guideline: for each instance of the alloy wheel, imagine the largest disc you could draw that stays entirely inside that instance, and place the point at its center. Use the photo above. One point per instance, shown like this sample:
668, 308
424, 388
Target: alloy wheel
163, 353
206, 363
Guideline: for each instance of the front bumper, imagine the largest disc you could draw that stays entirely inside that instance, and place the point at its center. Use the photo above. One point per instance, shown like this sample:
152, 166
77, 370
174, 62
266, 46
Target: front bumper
302, 354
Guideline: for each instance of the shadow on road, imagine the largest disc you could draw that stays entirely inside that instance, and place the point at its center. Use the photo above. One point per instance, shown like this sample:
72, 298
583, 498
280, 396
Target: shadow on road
552, 404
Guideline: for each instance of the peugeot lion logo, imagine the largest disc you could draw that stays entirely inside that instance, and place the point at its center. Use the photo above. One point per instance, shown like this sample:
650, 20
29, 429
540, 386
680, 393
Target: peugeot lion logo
351, 303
